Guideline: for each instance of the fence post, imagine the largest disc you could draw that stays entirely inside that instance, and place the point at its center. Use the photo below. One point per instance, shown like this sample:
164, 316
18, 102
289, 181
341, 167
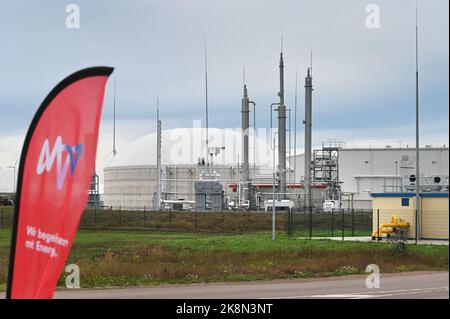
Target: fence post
353, 222
196, 213
95, 216
304, 217
222, 220
310, 222
120, 216
287, 222
144, 216
361, 220
332, 222
416, 232
343, 222
290, 222
378, 225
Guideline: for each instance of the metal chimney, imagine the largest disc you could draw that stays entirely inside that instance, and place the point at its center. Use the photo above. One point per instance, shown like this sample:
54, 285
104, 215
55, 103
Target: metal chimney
282, 133
308, 134
245, 132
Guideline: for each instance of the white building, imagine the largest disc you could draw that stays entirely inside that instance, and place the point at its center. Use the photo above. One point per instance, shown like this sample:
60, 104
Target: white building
130, 177
370, 170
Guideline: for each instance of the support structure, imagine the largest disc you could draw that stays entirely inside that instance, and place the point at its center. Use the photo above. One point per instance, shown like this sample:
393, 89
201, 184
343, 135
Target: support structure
94, 194
325, 167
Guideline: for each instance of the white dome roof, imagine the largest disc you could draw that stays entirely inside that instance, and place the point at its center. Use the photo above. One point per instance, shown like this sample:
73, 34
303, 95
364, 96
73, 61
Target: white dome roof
184, 146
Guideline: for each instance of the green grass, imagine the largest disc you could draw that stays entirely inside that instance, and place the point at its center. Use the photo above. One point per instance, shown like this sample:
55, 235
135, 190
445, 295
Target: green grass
245, 242
128, 258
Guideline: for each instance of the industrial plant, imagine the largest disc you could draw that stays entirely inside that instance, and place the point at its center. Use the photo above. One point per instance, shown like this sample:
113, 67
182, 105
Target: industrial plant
206, 152
216, 169
212, 169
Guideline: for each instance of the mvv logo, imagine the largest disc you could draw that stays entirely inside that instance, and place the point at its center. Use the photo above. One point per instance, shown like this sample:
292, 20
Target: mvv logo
47, 159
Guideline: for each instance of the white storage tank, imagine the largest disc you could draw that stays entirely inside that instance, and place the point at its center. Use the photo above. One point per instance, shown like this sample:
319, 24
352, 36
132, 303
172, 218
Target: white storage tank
130, 177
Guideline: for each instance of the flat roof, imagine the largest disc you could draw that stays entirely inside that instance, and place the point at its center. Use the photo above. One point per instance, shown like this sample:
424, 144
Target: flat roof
408, 194
433, 148
377, 149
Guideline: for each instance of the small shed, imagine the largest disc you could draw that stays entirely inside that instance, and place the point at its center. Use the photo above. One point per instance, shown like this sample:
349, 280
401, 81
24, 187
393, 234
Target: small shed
434, 212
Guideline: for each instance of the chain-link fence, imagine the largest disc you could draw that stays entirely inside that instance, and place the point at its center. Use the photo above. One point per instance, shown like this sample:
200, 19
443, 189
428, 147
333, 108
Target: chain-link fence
297, 223
6, 216
339, 223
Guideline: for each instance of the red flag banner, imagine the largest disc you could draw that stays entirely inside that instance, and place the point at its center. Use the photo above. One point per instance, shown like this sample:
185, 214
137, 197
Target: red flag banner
56, 167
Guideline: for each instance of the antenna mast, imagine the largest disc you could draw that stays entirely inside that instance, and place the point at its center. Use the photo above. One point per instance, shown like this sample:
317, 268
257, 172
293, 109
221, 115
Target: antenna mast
206, 105
418, 204
114, 120
295, 122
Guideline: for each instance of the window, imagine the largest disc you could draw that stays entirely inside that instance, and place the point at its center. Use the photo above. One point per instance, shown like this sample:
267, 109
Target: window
405, 201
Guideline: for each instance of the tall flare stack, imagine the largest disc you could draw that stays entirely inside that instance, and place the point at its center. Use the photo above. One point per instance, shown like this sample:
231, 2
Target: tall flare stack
282, 133
245, 132
308, 136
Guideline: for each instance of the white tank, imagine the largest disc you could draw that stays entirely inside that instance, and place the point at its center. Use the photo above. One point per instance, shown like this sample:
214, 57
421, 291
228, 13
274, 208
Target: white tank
130, 177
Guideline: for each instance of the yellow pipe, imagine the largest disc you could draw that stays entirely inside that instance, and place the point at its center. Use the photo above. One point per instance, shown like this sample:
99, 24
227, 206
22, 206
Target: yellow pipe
389, 228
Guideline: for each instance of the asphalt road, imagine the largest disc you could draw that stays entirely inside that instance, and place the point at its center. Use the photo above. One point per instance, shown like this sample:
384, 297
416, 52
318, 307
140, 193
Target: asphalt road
417, 285
422, 285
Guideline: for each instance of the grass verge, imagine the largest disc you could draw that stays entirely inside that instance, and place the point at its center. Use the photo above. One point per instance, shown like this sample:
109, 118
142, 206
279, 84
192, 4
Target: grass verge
130, 258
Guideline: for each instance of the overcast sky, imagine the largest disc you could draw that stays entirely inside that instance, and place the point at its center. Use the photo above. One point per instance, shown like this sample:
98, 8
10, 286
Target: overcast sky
363, 77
